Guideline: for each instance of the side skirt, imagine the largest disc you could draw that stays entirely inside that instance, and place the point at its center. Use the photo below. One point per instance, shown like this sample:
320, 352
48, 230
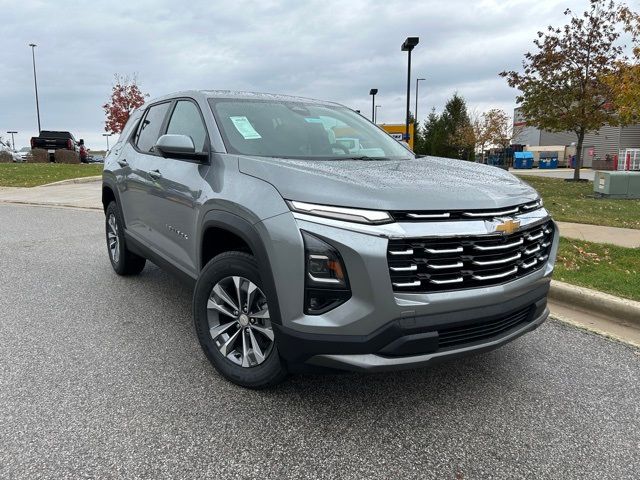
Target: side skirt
150, 254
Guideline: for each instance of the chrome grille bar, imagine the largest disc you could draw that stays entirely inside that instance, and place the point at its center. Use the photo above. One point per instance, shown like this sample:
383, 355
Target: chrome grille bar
411, 268
415, 283
446, 282
408, 251
491, 214
429, 215
497, 275
441, 267
497, 262
499, 247
444, 250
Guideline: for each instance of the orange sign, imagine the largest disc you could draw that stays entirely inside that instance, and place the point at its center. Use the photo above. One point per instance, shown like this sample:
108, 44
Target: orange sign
397, 131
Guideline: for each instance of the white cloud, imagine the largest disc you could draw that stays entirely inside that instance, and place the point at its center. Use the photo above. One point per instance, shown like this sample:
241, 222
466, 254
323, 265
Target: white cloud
333, 50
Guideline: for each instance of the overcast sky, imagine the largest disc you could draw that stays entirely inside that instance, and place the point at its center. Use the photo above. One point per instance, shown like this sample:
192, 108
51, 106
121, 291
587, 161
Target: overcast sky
332, 50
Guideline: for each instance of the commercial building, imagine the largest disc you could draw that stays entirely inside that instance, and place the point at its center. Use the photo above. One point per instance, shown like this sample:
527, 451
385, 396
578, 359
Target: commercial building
608, 141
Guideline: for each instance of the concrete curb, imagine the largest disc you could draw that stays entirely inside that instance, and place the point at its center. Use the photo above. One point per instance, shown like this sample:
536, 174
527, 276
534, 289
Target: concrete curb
586, 299
94, 178
48, 204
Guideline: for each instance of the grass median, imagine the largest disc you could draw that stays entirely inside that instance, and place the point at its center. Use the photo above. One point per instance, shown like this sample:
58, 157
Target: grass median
608, 268
574, 202
34, 174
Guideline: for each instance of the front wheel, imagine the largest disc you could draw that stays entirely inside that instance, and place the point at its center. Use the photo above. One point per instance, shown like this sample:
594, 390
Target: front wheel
233, 322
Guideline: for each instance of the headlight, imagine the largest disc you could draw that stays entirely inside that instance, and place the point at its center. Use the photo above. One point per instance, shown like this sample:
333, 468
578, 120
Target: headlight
326, 281
341, 213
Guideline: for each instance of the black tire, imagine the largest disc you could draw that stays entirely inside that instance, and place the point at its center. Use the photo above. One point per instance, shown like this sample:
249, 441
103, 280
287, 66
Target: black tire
266, 374
122, 260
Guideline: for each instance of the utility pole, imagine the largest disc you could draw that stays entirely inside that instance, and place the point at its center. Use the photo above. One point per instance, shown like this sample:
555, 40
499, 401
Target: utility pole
35, 82
13, 142
408, 46
373, 93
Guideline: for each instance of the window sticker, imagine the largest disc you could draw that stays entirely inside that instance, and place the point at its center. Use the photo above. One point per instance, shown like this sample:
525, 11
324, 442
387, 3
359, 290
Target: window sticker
313, 120
244, 127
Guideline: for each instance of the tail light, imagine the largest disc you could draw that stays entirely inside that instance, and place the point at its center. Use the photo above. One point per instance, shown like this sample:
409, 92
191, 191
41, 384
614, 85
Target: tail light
69, 144
33, 143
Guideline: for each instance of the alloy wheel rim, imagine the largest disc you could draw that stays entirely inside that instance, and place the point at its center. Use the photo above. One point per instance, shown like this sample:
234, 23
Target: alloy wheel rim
239, 322
112, 238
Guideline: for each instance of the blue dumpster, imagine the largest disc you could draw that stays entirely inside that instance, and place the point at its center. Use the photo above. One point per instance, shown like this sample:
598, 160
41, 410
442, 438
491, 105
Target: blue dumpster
522, 160
548, 160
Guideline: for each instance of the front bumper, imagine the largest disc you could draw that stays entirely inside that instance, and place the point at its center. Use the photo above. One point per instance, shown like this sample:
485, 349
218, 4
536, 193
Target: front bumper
417, 341
377, 363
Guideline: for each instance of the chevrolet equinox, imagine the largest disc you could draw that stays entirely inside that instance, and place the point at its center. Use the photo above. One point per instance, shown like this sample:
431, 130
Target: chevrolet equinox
313, 237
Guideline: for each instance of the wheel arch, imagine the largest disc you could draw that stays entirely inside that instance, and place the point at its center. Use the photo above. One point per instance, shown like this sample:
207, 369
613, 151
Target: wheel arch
233, 225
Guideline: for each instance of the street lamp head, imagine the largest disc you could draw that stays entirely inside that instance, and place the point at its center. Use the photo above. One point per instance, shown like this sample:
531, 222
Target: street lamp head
420, 79
409, 43
32, 45
373, 91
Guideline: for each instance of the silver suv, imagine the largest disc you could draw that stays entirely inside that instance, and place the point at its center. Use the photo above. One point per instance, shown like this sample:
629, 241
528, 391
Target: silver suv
309, 248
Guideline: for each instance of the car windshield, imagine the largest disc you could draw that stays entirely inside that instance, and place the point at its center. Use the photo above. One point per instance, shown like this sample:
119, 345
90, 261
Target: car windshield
290, 129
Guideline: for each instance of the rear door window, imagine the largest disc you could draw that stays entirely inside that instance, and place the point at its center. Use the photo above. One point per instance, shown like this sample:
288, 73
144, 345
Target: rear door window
150, 126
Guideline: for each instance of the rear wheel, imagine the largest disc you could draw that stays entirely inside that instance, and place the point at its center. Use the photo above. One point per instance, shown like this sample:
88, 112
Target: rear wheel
123, 261
233, 322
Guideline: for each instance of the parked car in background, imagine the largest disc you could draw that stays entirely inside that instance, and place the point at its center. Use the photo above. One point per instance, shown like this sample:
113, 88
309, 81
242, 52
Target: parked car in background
23, 154
95, 159
51, 141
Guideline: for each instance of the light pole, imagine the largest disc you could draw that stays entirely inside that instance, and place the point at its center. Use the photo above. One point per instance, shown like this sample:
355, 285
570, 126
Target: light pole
35, 82
373, 93
408, 46
13, 142
418, 80
375, 114
107, 135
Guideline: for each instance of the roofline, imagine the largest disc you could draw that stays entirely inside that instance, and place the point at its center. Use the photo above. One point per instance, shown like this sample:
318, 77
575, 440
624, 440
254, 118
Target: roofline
205, 94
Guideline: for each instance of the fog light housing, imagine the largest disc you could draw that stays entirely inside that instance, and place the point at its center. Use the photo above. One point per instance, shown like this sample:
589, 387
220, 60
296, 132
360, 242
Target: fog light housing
326, 281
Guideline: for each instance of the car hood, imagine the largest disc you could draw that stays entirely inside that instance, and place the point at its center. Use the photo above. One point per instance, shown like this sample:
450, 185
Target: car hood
429, 183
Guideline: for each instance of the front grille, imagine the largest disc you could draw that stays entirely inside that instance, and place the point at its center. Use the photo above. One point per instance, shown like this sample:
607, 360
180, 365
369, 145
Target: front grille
447, 264
467, 334
448, 215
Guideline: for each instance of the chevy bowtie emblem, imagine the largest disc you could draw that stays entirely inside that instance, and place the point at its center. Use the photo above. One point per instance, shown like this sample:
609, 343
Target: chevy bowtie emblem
508, 226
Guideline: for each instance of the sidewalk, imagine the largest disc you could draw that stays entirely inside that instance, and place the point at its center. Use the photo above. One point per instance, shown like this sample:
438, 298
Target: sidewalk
79, 195
553, 172
622, 237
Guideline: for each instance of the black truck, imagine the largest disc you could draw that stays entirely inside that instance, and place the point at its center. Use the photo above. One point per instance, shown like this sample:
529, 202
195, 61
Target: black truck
51, 141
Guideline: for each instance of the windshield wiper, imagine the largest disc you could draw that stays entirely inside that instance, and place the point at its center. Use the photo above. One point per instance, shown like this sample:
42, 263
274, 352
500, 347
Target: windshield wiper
360, 157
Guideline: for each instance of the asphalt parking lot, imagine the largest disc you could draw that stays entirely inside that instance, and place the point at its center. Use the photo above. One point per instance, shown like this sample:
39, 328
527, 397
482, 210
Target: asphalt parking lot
103, 377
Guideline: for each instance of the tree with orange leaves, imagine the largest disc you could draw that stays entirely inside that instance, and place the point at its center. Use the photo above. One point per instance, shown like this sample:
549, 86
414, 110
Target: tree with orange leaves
126, 96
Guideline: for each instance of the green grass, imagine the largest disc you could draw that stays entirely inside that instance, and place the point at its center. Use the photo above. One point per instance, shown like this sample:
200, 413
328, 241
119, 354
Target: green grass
33, 174
608, 268
574, 202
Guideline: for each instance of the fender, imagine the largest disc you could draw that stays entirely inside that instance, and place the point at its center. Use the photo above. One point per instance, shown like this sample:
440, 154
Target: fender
109, 182
247, 232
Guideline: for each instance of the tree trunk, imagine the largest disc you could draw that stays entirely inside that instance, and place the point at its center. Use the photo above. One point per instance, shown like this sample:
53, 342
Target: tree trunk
578, 162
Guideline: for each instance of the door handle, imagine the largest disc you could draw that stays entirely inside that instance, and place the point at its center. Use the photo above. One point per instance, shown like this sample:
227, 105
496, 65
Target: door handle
123, 163
155, 174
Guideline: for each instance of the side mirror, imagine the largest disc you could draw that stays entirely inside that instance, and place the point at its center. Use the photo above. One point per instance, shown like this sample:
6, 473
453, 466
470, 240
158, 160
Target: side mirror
170, 145
179, 146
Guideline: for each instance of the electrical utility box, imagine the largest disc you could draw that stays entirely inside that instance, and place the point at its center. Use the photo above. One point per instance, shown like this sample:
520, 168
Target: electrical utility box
617, 184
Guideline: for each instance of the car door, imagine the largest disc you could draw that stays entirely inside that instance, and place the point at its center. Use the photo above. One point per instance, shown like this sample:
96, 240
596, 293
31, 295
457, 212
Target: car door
177, 188
138, 157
